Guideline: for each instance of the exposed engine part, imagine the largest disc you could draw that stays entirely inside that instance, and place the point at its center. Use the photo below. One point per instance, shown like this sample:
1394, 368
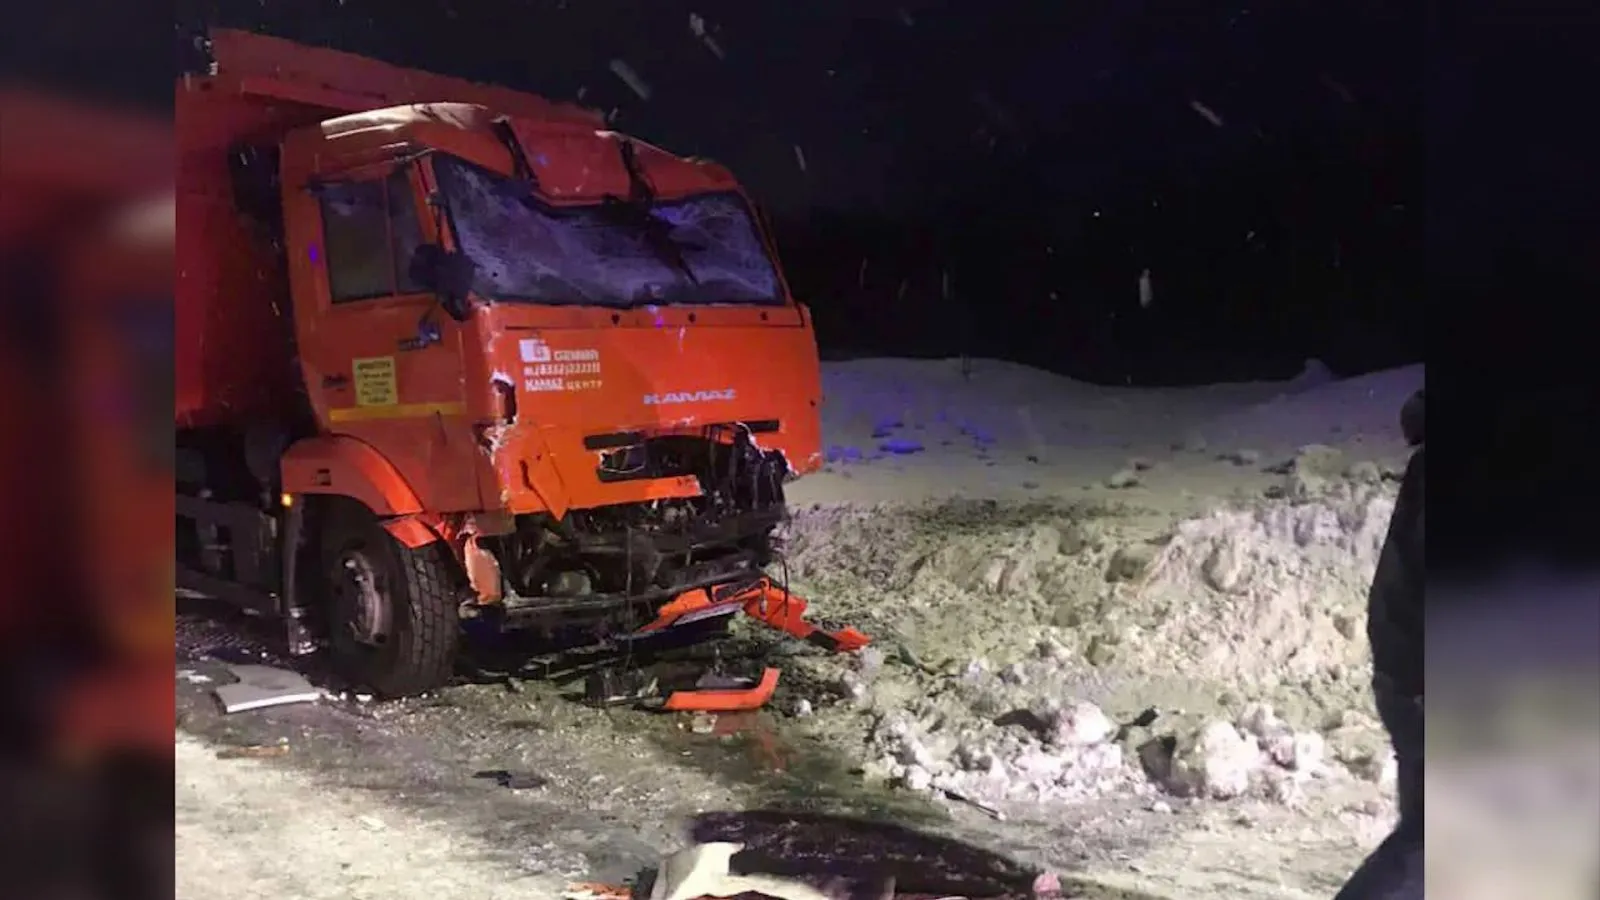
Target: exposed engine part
616, 558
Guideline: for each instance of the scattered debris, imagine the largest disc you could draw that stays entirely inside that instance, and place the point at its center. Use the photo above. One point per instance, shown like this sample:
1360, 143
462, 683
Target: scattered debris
992, 812
259, 687
516, 781
630, 78
190, 676
254, 751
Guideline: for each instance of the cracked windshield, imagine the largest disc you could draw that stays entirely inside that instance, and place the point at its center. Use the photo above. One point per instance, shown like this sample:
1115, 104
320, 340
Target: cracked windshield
606, 254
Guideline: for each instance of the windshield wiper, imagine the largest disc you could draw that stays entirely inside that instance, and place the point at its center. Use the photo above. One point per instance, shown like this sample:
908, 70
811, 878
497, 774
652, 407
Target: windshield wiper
637, 211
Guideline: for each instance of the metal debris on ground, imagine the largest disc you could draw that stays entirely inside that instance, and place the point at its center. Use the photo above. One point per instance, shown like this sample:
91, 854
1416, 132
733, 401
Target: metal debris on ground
259, 687
630, 78
193, 677
516, 781
254, 751
770, 603
991, 811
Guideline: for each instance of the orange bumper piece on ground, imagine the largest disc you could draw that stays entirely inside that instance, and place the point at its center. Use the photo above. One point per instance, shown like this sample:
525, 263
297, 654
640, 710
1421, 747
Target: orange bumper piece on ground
777, 607
723, 699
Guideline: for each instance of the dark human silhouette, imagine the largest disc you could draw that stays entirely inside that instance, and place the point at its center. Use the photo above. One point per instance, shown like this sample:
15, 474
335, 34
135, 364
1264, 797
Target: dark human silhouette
1394, 626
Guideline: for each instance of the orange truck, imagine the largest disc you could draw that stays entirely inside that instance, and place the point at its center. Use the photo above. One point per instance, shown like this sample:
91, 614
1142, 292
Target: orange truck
449, 351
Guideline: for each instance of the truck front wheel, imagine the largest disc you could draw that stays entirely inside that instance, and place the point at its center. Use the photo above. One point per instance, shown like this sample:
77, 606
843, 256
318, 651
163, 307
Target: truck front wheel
392, 610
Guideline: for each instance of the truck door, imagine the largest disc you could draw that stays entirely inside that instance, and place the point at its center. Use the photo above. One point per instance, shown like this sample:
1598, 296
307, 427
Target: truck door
382, 362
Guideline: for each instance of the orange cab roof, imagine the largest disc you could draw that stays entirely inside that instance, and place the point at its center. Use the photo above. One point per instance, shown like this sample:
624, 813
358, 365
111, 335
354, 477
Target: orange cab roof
571, 162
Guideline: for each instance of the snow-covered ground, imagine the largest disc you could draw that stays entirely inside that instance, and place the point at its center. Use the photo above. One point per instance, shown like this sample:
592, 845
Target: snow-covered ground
251, 831
1119, 633
1086, 596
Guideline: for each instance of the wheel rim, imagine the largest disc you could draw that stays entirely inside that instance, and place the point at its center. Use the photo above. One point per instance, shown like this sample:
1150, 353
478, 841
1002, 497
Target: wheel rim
363, 607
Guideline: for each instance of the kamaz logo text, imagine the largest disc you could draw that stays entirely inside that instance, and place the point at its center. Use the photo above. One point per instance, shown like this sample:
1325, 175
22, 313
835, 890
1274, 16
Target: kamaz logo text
687, 397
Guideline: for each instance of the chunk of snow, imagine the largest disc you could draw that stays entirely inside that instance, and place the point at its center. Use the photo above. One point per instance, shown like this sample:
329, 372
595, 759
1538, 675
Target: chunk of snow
1215, 761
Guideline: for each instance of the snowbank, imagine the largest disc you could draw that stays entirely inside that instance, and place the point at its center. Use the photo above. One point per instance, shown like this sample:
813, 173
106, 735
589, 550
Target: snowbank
1221, 593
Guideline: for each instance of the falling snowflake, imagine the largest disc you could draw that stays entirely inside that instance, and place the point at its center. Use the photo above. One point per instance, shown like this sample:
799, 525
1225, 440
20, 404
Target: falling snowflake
630, 78
800, 157
1206, 113
697, 27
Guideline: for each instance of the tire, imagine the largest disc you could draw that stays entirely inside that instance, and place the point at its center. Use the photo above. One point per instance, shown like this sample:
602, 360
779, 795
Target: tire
400, 639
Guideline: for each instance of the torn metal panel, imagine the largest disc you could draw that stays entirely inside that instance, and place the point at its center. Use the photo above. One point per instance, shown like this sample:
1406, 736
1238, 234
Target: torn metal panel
259, 687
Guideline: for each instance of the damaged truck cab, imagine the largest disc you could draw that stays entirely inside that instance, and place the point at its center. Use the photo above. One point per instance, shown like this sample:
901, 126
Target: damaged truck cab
448, 351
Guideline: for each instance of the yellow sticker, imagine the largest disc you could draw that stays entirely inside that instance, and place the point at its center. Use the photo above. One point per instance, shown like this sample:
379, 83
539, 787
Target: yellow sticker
375, 381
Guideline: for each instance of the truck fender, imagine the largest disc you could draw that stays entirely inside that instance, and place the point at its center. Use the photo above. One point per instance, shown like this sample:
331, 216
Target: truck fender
345, 466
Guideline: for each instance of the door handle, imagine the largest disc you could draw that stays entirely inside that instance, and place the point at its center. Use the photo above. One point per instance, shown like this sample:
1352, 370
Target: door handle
335, 380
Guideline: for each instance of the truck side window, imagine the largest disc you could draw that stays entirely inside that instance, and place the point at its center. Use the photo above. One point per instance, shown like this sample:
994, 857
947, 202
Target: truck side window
406, 230
355, 237
369, 231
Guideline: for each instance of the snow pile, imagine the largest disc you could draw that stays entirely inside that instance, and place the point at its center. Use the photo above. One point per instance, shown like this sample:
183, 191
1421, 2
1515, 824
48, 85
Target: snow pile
1061, 752
1267, 594
1251, 595
1000, 627
1256, 754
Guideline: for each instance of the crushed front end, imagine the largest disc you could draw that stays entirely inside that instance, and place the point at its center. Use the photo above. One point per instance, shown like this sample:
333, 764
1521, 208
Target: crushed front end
711, 498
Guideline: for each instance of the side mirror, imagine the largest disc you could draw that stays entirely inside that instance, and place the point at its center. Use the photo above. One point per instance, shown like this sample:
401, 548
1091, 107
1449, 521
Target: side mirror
447, 274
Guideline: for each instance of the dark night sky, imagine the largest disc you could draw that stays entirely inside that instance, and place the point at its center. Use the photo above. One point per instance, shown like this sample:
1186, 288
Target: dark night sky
871, 92
1040, 154
1264, 163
